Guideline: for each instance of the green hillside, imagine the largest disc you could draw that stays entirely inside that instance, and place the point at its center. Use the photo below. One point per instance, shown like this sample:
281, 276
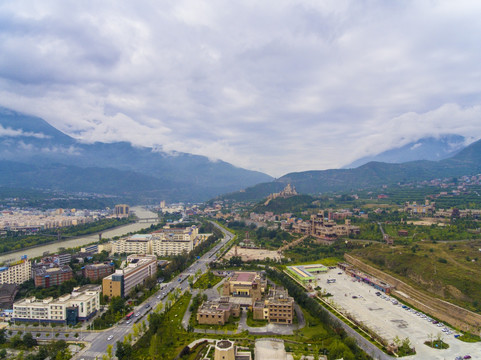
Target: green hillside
450, 271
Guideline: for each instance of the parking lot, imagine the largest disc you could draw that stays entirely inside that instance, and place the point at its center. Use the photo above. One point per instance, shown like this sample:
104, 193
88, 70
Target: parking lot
388, 318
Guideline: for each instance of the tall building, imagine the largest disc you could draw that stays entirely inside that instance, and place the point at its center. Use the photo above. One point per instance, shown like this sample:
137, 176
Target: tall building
17, 272
138, 269
81, 305
121, 210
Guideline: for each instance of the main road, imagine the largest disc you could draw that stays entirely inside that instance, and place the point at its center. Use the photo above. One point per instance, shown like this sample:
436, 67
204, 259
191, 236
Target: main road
84, 240
100, 340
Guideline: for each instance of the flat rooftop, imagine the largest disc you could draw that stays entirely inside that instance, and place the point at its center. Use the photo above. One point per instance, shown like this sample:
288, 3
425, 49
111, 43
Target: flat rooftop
243, 276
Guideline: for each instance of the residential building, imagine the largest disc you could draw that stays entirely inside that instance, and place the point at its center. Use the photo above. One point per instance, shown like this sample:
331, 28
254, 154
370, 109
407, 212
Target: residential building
121, 210
174, 241
138, 269
52, 276
217, 312
165, 242
17, 272
135, 244
81, 305
97, 271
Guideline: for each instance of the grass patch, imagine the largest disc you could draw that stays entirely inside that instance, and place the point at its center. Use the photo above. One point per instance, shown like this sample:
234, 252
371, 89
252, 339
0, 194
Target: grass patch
207, 280
437, 344
471, 338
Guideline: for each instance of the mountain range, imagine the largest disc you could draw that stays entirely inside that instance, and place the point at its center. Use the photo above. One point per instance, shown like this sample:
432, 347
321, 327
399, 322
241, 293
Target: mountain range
34, 154
370, 175
428, 148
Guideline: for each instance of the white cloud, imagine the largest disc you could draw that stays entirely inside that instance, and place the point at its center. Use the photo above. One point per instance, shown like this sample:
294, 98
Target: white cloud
9, 132
275, 86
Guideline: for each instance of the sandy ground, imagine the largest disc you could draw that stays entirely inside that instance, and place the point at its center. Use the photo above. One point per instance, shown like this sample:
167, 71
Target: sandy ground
388, 320
253, 254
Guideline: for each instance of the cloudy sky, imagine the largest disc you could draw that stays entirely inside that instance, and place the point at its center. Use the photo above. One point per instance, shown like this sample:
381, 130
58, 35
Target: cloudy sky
275, 86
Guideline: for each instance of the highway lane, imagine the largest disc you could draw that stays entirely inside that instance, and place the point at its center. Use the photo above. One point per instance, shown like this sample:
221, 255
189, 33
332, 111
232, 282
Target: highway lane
99, 340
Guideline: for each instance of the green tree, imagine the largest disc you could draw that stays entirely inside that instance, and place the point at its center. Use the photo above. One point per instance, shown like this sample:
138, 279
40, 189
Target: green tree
124, 351
110, 350
29, 341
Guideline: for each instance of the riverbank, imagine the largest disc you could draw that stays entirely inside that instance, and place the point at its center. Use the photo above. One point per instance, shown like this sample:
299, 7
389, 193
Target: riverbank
52, 247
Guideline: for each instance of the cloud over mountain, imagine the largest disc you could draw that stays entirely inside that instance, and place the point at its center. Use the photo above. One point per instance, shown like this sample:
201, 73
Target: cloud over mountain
275, 86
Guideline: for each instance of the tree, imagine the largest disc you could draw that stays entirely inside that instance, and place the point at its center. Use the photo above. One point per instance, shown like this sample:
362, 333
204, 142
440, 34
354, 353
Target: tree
3, 337
117, 304
136, 330
124, 351
110, 349
29, 341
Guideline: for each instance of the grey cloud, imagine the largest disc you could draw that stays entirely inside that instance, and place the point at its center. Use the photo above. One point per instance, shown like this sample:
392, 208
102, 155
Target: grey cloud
275, 86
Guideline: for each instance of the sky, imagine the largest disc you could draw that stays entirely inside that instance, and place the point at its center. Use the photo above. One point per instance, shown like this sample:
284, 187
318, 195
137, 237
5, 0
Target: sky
276, 86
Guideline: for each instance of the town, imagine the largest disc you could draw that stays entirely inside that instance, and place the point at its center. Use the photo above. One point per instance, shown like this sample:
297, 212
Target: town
224, 268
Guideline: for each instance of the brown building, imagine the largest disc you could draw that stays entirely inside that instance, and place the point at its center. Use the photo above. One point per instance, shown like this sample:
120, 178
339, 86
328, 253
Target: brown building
324, 229
97, 271
217, 312
278, 307
53, 276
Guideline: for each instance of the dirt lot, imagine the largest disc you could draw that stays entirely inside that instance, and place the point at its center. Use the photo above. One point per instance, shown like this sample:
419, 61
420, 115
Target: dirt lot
253, 254
389, 320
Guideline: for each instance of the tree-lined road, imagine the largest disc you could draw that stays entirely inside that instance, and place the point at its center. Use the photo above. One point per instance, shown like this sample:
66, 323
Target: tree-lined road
99, 340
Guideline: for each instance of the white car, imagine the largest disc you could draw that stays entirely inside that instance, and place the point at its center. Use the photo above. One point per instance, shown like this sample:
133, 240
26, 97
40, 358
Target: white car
110, 337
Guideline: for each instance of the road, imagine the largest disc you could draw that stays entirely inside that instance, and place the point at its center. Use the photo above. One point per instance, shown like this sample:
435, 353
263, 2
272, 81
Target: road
99, 340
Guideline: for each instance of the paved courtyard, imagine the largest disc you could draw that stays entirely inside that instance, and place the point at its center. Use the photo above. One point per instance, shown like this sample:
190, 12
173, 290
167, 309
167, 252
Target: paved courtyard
389, 320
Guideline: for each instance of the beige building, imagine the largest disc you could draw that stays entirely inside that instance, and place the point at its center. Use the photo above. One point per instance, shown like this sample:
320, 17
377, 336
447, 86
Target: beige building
121, 210
17, 272
245, 284
80, 305
324, 229
135, 244
278, 307
226, 350
174, 241
217, 312
137, 270
165, 242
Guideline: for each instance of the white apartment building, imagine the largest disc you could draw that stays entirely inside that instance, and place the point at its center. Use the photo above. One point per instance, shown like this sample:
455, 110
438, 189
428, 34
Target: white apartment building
80, 305
136, 244
165, 242
17, 272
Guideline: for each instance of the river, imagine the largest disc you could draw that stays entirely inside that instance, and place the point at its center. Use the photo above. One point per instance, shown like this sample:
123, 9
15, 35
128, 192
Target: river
84, 240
